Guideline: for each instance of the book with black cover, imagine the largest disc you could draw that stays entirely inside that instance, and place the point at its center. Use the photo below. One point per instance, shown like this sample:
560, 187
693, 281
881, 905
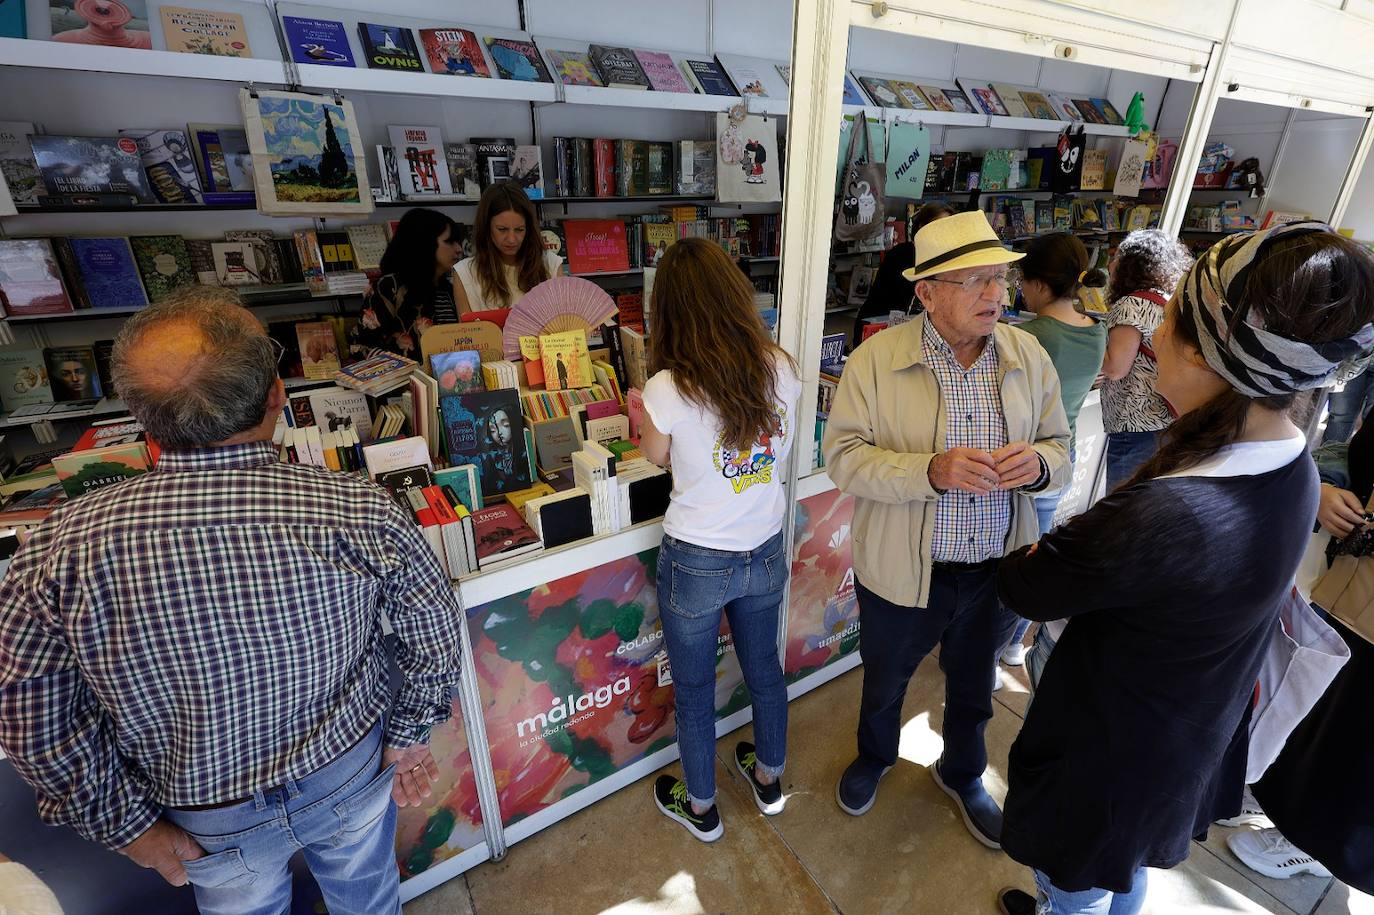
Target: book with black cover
390, 47
618, 67
711, 77
564, 517
487, 429
91, 165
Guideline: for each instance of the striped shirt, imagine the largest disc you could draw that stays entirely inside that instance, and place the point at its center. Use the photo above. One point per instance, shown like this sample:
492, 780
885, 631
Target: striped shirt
968, 528
209, 629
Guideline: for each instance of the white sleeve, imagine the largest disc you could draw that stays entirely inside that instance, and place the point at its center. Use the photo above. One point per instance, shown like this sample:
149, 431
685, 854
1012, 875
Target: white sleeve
661, 402
22, 893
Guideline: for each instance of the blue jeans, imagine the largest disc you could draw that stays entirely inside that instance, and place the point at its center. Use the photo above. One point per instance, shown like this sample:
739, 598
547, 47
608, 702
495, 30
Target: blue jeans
1345, 407
1053, 901
696, 585
1039, 656
1126, 452
341, 816
963, 617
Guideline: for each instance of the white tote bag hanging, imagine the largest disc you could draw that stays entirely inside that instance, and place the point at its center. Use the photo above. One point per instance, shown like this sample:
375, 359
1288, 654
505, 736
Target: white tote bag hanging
1304, 656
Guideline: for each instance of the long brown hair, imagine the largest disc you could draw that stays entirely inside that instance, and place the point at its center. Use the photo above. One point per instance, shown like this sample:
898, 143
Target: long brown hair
1316, 288
708, 333
501, 198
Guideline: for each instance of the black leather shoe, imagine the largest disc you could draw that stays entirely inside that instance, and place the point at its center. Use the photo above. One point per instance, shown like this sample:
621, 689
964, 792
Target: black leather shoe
858, 787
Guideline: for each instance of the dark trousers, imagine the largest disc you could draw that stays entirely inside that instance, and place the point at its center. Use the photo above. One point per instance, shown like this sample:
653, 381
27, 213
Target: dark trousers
963, 617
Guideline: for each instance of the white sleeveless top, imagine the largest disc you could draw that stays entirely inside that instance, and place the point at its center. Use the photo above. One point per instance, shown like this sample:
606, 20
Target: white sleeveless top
467, 274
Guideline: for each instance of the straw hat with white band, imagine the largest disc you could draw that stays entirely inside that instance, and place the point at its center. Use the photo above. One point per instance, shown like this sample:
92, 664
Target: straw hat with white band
955, 242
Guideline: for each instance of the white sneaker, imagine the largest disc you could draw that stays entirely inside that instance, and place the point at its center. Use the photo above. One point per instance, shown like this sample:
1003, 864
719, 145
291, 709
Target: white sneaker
1251, 814
997, 681
1266, 851
1015, 655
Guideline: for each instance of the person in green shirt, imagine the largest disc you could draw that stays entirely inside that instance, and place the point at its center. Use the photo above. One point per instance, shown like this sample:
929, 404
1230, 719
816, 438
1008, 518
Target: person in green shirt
1052, 272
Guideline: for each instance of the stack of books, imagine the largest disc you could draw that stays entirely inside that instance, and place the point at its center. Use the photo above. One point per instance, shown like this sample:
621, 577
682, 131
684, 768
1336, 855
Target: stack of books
376, 375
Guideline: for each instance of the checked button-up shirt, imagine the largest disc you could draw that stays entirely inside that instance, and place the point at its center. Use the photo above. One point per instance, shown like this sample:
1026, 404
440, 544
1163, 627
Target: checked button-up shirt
210, 628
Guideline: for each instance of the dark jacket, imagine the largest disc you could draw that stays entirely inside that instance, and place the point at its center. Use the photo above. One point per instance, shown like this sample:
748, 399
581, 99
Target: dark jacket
1173, 587
891, 291
1316, 791
393, 319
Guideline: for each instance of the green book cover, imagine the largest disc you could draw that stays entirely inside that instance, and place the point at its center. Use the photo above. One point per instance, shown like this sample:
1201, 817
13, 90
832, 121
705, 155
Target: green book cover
996, 171
81, 472
660, 168
639, 168
164, 263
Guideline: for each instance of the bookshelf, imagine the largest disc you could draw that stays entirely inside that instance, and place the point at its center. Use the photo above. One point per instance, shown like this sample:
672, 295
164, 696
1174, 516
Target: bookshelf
46, 55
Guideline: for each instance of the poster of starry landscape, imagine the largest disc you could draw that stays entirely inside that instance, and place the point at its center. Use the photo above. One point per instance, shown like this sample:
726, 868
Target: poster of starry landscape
306, 154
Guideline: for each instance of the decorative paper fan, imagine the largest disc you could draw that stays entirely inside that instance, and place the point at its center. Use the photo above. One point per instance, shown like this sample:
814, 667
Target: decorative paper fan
556, 305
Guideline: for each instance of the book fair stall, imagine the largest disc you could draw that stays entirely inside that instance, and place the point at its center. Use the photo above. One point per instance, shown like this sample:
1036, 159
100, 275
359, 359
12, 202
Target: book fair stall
270, 148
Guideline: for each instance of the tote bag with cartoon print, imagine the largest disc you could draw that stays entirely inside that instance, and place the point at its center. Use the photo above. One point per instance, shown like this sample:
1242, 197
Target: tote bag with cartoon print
862, 211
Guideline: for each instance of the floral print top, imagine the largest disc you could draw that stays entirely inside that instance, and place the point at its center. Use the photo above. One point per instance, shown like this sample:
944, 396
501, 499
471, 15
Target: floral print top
392, 322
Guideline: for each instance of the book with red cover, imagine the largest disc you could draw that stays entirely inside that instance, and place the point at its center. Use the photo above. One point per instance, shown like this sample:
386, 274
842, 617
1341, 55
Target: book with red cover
596, 246
455, 52
603, 167
502, 533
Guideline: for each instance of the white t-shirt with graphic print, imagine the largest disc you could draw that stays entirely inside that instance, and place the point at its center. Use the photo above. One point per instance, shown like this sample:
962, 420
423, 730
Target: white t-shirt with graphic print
722, 499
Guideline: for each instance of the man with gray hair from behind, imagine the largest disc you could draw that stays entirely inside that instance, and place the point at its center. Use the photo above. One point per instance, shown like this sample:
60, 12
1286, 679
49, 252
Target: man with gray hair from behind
192, 669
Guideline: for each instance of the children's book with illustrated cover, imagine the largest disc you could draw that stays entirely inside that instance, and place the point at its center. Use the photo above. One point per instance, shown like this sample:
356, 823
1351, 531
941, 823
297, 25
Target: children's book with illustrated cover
454, 52
662, 73
83, 472
518, 60
390, 47
486, 429
31, 278
23, 379
574, 68
317, 41
567, 363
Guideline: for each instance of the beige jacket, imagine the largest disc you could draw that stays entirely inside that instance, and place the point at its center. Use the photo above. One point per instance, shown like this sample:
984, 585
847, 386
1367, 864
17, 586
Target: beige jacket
888, 421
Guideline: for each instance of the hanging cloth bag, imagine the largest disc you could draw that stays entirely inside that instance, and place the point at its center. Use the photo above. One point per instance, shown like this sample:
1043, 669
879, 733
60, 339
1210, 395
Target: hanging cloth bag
862, 212
1302, 660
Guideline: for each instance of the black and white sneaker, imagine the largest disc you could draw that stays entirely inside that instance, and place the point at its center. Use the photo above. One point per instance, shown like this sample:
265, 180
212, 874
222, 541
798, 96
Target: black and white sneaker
670, 794
769, 798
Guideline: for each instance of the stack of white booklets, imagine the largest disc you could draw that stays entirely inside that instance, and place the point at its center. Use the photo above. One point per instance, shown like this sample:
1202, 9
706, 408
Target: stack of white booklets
594, 471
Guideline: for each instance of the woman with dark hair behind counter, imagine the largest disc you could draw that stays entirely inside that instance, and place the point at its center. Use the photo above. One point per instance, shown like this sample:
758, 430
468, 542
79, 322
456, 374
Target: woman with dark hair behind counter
892, 292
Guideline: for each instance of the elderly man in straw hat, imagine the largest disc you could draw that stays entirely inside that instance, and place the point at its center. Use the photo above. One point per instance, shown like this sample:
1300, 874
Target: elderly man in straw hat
942, 430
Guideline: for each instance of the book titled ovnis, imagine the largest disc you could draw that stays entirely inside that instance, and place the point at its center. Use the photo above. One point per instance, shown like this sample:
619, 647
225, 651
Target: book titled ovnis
596, 246
390, 47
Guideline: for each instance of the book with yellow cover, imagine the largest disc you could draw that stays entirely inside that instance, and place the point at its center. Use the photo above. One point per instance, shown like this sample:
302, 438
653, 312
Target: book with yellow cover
518, 498
567, 363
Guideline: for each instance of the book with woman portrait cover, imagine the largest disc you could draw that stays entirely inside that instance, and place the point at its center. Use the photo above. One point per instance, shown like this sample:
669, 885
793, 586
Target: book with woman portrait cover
487, 430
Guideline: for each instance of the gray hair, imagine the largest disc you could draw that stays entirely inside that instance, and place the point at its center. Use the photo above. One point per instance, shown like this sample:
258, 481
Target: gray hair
222, 393
1148, 259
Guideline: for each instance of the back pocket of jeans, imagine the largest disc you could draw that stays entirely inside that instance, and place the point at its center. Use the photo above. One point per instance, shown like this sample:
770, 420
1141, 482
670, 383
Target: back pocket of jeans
224, 869
697, 592
362, 810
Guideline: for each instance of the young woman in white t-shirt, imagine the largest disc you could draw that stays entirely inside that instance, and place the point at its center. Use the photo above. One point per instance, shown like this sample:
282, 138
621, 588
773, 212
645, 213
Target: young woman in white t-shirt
722, 406
508, 257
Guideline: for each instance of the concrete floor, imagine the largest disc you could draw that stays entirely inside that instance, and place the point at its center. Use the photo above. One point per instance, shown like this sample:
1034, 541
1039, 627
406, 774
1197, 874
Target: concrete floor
910, 853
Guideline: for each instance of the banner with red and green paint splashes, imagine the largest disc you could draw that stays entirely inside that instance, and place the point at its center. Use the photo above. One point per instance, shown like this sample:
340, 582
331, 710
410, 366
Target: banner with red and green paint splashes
822, 613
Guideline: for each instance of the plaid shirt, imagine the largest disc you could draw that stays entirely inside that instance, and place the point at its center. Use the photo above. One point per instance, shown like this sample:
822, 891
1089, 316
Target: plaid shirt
209, 629
968, 528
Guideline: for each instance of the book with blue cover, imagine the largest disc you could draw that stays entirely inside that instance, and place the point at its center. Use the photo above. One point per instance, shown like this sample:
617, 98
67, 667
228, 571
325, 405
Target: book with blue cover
109, 273
711, 77
318, 41
487, 430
